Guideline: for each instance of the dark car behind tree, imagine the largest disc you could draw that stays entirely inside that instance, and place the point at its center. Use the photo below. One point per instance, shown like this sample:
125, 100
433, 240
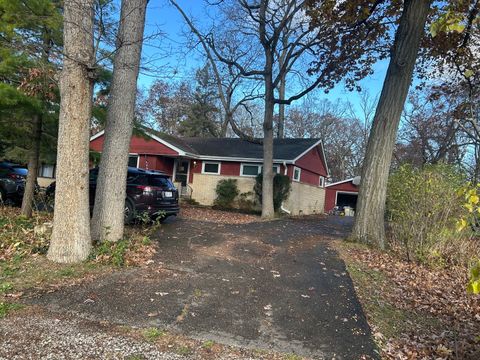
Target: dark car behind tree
148, 192
11, 172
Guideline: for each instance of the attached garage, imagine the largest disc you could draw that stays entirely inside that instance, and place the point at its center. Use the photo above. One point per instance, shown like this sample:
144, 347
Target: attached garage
342, 193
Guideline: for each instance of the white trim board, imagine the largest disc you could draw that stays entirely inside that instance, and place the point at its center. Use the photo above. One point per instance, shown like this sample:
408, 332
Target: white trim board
340, 182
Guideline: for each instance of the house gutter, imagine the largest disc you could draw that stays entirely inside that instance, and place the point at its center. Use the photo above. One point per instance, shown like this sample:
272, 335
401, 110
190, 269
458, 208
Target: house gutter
285, 173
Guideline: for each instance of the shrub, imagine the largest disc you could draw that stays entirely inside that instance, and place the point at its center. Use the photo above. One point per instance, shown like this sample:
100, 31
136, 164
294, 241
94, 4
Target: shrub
246, 201
227, 191
422, 208
281, 189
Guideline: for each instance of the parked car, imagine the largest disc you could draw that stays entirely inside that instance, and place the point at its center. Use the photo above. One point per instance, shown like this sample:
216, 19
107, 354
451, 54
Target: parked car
148, 192
14, 173
8, 188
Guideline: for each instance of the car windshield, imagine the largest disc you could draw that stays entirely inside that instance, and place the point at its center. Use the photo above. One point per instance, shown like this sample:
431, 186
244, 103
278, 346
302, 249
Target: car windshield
159, 181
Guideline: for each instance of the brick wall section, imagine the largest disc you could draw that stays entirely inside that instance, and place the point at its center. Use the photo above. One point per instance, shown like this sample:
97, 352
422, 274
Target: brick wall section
204, 185
305, 199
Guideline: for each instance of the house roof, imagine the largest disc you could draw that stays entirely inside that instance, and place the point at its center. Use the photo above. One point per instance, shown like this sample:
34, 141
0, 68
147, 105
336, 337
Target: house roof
288, 150
283, 149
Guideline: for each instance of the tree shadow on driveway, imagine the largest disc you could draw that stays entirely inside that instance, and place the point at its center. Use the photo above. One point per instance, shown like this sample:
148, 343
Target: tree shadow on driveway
271, 285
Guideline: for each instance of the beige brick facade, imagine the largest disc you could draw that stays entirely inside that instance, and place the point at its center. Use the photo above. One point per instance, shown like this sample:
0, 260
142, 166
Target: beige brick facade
304, 199
204, 185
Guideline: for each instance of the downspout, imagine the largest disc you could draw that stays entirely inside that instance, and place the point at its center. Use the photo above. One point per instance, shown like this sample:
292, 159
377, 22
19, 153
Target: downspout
281, 206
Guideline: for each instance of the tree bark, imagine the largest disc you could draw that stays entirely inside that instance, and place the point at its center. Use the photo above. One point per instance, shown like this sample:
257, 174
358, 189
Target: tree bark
70, 240
108, 213
268, 211
29, 192
281, 108
369, 223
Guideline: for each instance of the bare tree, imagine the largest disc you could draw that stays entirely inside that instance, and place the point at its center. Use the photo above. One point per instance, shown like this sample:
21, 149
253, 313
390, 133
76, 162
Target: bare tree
369, 223
230, 81
71, 240
108, 213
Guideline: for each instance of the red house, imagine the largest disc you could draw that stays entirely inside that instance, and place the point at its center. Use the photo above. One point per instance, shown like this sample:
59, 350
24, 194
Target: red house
342, 193
197, 164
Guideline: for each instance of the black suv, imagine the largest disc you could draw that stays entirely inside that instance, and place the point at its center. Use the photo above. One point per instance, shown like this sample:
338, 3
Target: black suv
148, 192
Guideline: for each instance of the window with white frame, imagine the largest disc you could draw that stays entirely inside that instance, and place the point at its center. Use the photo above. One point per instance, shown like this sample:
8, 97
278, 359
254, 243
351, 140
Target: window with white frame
250, 169
133, 160
296, 173
321, 182
210, 167
255, 169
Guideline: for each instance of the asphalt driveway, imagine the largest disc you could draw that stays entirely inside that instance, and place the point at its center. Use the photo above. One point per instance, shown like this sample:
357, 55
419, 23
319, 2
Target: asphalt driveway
267, 285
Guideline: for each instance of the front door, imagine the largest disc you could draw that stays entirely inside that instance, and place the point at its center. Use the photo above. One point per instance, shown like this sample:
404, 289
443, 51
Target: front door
181, 173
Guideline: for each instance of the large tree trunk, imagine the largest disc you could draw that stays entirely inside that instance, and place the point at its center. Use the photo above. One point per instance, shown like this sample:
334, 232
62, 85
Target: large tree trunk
33, 160
71, 222
281, 108
108, 214
369, 224
268, 211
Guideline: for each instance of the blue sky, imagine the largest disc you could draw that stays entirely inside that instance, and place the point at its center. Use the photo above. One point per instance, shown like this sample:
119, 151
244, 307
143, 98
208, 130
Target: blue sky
162, 54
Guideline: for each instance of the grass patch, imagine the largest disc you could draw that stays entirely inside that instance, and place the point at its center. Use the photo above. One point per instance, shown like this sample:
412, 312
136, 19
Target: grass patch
5, 287
183, 350
208, 344
6, 307
152, 334
23, 245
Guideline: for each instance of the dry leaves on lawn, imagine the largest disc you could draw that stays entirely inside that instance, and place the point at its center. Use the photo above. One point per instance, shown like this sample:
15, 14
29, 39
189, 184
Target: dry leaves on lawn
448, 325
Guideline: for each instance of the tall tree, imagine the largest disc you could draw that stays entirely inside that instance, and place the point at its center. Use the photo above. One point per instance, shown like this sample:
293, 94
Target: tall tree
70, 241
369, 223
108, 212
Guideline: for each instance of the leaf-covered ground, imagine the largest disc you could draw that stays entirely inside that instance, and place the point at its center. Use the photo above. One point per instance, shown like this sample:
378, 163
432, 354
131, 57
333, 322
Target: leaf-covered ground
415, 312
202, 213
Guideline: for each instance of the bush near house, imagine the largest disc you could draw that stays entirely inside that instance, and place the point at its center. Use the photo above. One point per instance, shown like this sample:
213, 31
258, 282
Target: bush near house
423, 208
281, 189
227, 191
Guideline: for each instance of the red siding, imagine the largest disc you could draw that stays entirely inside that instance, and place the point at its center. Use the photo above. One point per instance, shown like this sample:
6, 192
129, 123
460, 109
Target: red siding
308, 177
313, 162
331, 193
229, 168
156, 162
138, 145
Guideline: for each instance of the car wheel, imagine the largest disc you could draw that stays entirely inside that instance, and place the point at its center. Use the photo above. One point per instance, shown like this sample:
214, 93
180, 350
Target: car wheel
129, 212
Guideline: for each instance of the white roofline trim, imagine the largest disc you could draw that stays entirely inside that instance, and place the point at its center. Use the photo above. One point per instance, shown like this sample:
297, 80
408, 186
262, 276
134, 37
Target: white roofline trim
154, 137
97, 135
319, 142
166, 143
237, 159
340, 182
